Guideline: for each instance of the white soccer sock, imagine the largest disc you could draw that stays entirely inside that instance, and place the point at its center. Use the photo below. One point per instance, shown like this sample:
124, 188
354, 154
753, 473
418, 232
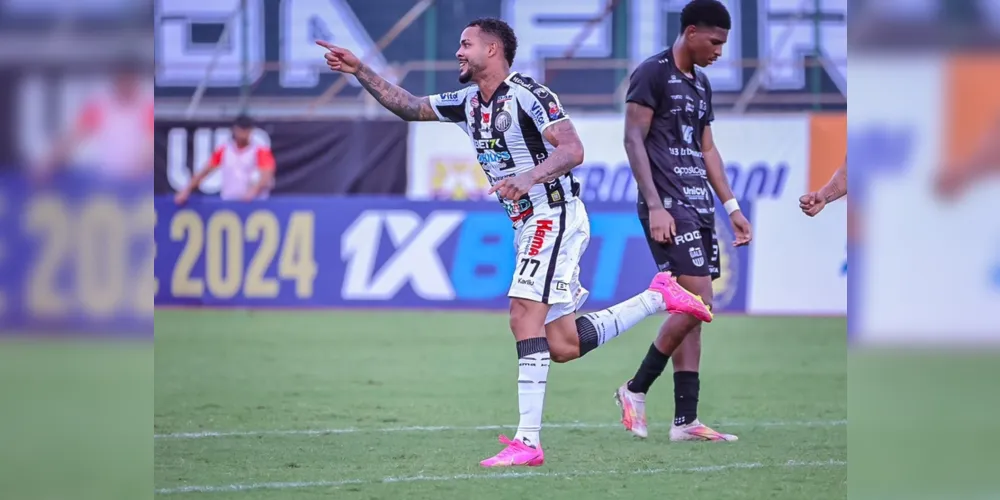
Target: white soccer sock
533, 370
597, 328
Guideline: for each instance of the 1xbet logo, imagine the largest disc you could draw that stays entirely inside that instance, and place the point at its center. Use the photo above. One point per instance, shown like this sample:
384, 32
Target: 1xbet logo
414, 259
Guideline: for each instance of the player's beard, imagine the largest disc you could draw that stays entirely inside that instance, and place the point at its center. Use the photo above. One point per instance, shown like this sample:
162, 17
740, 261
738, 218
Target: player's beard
466, 76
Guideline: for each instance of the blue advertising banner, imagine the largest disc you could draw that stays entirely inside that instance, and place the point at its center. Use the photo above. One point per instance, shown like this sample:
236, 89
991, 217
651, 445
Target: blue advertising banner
76, 256
387, 252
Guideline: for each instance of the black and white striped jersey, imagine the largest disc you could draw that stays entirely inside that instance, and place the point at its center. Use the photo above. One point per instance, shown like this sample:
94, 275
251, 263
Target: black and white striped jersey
507, 135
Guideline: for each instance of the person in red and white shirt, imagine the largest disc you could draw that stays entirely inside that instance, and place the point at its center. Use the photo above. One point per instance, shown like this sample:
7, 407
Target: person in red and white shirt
247, 167
114, 129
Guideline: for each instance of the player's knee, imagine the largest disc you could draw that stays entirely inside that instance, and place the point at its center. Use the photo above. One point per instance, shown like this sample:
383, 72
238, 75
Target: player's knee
522, 318
707, 299
561, 353
693, 337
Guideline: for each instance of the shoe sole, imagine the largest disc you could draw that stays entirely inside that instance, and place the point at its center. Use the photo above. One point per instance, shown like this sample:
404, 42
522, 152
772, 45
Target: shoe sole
535, 462
704, 440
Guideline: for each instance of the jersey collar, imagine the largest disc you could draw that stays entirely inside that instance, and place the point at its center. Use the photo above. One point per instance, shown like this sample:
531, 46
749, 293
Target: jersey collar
674, 70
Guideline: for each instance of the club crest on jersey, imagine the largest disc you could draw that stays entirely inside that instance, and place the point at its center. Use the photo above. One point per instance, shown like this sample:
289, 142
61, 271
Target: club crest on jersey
503, 121
553, 110
541, 92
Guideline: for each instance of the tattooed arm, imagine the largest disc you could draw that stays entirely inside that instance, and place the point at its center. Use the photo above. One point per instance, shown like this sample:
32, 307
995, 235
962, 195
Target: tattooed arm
814, 202
567, 155
837, 187
395, 98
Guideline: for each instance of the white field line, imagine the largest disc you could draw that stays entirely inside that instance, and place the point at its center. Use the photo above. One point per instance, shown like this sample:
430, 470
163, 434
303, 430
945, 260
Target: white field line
441, 428
488, 475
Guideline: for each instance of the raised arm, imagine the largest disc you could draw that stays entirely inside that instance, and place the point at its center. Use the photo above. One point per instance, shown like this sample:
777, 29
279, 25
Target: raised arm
395, 98
392, 97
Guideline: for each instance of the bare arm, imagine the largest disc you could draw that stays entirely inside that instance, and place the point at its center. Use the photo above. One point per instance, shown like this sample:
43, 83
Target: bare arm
395, 98
637, 121
714, 166
266, 179
567, 155
837, 187
199, 177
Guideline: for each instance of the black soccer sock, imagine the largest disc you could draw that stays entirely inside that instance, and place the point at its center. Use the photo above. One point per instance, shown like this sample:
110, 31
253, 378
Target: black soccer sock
587, 333
686, 387
651, 368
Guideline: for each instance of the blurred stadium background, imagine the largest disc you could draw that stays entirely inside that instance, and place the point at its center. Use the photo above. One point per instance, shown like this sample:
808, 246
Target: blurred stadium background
345, 399
373, 214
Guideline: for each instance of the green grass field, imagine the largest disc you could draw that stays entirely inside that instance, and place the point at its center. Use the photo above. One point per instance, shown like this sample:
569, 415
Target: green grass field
74, 419
397, 404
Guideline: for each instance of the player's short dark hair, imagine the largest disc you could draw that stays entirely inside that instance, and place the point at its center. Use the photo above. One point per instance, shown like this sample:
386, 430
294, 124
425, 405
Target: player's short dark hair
500, 29
706, 13
243, 122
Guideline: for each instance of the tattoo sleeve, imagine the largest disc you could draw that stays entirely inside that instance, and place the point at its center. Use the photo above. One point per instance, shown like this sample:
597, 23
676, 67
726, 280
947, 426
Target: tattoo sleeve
394, 98
567, 155
837, 187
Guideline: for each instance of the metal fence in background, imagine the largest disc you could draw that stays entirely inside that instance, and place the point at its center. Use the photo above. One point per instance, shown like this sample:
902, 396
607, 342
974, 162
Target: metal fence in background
215, 58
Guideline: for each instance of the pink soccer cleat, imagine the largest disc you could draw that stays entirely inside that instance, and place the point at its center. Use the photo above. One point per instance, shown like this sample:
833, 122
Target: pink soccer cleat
515, 454
678, 299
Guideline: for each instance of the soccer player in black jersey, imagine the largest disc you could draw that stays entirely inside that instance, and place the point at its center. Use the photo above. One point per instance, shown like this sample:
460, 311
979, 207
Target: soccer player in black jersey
668, 139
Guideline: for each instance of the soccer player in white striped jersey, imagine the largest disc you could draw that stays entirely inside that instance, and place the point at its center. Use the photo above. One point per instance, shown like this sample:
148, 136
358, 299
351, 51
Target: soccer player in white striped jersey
527, 147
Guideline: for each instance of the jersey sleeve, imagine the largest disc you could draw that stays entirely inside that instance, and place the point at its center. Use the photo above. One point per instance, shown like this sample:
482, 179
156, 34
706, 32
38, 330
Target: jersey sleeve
541, 104
645, 86
450, 106
216, 158
90, 118
710, 114
265, 159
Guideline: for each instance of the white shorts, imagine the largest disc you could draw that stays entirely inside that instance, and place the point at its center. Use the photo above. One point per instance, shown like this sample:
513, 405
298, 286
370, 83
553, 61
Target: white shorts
549, 247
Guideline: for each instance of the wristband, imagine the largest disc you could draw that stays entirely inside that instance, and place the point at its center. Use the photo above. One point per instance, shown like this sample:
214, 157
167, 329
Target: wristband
731, 206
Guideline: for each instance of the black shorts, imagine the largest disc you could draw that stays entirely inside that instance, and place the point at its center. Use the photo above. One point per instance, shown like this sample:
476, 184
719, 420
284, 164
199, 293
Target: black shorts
693, 252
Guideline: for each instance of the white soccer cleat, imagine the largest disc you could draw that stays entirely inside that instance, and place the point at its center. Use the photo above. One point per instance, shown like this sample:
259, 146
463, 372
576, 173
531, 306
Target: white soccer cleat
696, 431
633, 406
